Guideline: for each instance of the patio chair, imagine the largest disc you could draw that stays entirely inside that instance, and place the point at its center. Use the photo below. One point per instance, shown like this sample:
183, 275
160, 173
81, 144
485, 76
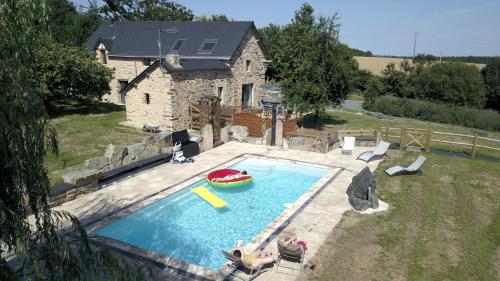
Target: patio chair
348, 145
379, 152
240, 270
412, 169
291, 253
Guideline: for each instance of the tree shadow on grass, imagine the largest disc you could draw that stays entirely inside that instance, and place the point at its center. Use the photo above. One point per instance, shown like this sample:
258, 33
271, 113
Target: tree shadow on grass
82, 107
309, 121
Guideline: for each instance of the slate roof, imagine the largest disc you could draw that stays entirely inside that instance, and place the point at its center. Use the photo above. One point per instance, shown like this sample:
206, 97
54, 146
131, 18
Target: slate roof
139, 38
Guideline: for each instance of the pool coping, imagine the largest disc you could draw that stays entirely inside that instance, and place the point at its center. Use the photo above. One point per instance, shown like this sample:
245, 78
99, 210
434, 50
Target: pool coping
264, 237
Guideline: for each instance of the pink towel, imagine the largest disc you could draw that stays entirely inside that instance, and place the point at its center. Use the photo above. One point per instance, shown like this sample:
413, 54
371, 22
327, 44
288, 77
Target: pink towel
303, 245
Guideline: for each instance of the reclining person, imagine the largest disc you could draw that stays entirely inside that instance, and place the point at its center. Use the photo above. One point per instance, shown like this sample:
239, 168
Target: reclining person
231, 177
254, 259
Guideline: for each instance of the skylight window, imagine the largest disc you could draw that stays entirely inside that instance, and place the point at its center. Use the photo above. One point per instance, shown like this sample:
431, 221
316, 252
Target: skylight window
208, 46
178, 45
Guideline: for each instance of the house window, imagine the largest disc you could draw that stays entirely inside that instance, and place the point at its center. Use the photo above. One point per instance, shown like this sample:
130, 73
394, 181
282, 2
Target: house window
220, 91
146, 61
246, 94
147, 99
104, 59
208, 46
178, 45
247, 65
123, 84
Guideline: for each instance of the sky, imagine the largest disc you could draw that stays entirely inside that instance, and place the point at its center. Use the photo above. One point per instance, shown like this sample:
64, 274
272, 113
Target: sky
384, 27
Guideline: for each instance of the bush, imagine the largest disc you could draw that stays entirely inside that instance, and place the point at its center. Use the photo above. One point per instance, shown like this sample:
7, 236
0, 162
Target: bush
452, 83
491, 74
428, 111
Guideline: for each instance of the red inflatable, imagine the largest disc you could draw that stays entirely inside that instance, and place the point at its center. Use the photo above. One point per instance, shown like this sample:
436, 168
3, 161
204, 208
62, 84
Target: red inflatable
219, 174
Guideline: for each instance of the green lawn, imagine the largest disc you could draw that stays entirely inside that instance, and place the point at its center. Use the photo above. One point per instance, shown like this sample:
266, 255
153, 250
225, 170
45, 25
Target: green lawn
84, 131
442, 225
345, 120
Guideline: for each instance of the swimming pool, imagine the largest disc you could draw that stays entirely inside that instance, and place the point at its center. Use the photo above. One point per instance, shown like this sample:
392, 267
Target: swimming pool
185, 227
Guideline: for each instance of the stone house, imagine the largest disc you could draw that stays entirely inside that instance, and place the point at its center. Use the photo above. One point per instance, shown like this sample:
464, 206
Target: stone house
225, 59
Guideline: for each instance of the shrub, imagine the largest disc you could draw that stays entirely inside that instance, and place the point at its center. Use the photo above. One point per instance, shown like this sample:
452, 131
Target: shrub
452, 83
491, 74
428, 111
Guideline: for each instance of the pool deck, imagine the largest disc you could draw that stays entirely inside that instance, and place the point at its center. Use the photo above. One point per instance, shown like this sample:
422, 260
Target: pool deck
315, 221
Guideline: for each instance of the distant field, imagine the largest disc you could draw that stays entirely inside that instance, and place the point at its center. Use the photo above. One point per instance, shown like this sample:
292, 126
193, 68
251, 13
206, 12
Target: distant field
377, 64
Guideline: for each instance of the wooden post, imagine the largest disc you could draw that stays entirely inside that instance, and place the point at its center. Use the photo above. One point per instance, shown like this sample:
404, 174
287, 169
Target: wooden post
379, 136
386, 133
428, 141
474, 143
402, 139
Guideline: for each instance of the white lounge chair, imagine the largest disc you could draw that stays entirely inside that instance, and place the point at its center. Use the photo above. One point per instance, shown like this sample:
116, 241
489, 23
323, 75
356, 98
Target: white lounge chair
379, 152
348, 145
412, 169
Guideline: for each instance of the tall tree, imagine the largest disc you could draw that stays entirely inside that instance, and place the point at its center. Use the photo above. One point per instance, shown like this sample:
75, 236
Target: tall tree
148, 10
396, 82
212, 18
69, 26
31, 232
491, 75
315, 69
70, 72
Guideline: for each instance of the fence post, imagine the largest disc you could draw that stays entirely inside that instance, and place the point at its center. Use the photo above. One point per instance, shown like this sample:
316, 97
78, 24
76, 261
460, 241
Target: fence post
429, 140
379, 136
474, 143
386, 133
402, 139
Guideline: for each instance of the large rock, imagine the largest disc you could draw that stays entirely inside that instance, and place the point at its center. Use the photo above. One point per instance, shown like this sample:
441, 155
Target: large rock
115, 155
207, 134
161, 140
361, 191
279, 133
83, 177
195, 135
239, 132
301, 143
133, 152
224, 134
253, 140
149, 151
97, 163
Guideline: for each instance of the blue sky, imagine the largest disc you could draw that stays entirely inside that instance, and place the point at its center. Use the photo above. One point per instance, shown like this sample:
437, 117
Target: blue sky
385, 27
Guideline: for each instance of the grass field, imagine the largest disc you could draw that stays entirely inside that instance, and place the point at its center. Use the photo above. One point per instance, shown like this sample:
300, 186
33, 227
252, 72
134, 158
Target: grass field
377, 64
84, 131
345, 120
442, 225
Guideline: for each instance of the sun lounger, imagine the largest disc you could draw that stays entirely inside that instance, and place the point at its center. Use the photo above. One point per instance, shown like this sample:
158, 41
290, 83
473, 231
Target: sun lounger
412, 169
293, 253
378, 153
240, 270
348, 145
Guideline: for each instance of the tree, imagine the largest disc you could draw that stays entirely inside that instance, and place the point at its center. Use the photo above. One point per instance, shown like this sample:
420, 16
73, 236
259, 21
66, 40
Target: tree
452, 83
31, 232
491, 75
212, 18
70, 72
146, 10
314, 68
70, 27
374, 90
396, 82
270, 36
360, 80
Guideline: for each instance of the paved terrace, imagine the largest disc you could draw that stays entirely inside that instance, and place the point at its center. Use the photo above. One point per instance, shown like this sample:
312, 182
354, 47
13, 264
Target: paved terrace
312, 224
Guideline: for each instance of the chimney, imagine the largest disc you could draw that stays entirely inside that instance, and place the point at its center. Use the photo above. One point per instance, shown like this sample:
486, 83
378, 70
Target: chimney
174, 60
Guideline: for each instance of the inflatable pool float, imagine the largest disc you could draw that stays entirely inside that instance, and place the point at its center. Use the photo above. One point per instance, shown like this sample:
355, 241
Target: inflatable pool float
229, 183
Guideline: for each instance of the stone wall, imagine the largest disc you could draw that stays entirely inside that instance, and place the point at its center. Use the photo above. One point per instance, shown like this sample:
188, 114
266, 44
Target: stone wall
123, 69
159, 110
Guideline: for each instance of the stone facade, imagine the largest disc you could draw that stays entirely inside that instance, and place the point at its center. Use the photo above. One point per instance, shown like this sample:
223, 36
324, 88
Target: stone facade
124, 69
170, 93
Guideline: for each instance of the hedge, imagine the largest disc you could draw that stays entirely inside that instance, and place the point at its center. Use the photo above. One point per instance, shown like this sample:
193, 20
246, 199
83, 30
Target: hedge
428, 111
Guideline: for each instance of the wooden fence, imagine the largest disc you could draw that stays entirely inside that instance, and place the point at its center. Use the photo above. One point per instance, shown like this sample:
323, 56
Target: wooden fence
425, 138
257, 125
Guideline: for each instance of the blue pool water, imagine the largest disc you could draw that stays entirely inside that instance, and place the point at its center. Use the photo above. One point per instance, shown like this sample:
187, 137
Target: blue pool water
185, 227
